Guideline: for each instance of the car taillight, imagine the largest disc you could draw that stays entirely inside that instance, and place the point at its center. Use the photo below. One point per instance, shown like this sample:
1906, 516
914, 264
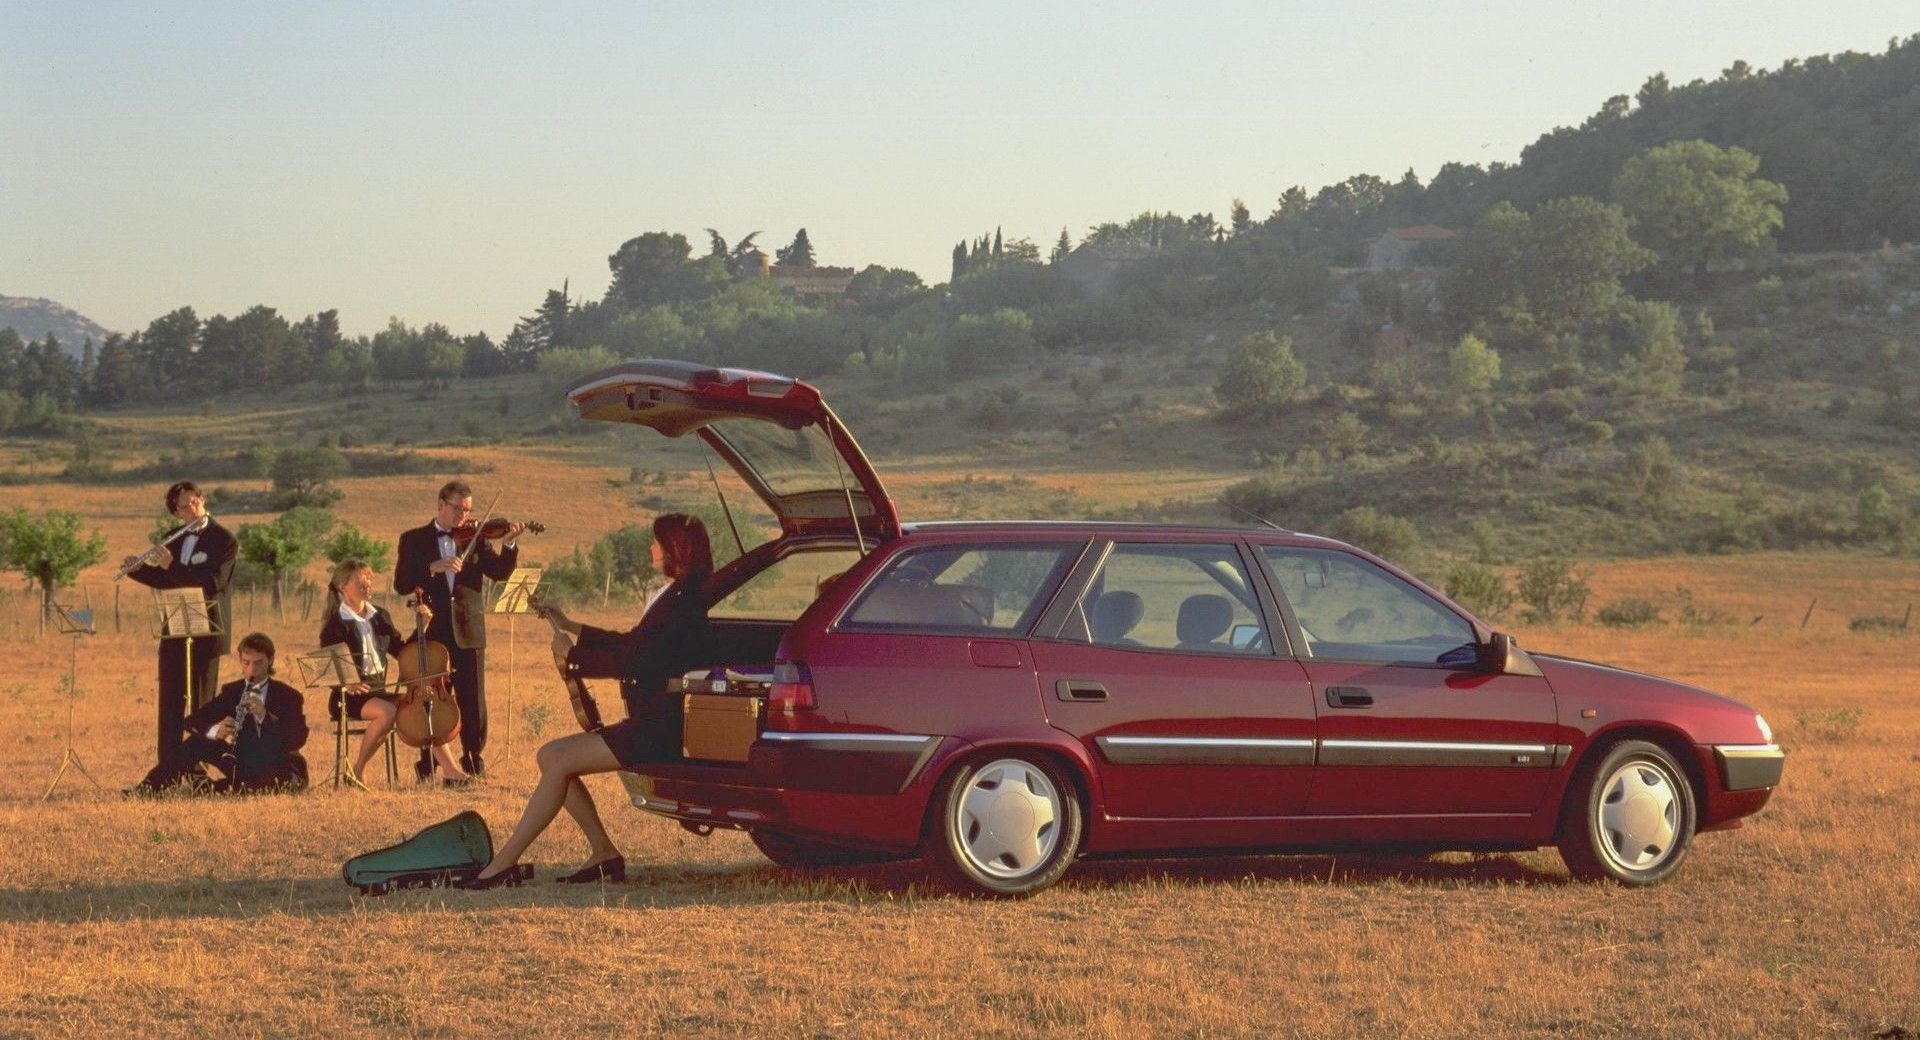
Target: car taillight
792, 687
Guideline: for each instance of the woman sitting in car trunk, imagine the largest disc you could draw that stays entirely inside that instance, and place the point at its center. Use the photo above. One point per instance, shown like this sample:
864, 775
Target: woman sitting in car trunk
672, 635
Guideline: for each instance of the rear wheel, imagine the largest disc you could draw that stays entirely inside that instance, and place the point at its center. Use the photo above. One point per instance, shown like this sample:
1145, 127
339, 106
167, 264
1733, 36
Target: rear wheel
789, 851
1005, 826
1633, 818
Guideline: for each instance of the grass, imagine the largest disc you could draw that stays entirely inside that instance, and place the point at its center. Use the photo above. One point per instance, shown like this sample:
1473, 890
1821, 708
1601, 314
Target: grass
155, 918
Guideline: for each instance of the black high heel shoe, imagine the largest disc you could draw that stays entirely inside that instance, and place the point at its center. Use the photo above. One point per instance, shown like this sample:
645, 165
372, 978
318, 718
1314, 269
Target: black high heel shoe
612, 870
512, 877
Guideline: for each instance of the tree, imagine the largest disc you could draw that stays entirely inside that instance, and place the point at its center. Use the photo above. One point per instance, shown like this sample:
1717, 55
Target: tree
49, 549
1695, 204
168, 344
325, 345
1261, 375
643, 267
348, 543
884, 290
305, 476
285, 545
1580, 251
797, 254
1488, 275
117, 372
1061, 249
978, 343
1472, 365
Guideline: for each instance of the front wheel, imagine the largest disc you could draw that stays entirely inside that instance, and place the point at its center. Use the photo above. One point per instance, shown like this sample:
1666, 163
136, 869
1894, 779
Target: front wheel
1006, 826
1633, 818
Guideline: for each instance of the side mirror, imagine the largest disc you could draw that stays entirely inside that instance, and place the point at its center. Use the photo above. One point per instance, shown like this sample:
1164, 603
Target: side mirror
1501, 655
1243, 636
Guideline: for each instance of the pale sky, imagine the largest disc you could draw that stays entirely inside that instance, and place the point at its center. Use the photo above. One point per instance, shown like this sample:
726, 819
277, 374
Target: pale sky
450, 162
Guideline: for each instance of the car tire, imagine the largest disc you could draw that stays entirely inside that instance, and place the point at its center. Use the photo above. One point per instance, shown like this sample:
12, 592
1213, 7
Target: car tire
799, 853
1005, 826
1630, 815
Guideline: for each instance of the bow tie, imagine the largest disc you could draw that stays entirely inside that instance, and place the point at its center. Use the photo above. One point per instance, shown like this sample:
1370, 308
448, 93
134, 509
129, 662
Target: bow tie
258, 689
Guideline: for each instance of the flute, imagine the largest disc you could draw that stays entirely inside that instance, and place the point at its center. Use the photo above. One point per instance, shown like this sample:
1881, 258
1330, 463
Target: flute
190, 527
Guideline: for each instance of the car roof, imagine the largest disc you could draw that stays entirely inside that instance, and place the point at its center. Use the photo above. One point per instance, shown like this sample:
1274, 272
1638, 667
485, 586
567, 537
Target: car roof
1113, 529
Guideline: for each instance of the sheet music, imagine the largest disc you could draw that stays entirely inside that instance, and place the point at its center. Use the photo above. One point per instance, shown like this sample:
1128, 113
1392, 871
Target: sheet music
516, 590
183, 612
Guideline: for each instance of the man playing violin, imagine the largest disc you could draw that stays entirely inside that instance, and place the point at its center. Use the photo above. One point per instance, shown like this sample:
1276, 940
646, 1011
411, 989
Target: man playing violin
203, 557
448, 559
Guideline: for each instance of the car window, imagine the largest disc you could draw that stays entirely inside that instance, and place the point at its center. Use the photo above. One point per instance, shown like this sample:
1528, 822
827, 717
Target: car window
1351, 610
788, 587
1174, 597
996, 588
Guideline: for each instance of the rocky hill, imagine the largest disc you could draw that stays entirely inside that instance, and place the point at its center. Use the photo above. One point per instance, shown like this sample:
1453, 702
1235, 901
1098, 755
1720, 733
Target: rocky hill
33, 318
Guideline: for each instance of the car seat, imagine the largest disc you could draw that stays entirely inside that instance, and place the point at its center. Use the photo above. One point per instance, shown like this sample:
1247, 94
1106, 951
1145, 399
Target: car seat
1114, 615
1203, 619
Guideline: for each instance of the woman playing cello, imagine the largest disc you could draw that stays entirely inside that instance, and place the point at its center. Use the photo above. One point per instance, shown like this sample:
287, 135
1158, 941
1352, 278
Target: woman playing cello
369, 632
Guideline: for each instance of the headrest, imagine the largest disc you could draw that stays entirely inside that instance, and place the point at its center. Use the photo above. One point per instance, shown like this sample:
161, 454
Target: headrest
1204, 618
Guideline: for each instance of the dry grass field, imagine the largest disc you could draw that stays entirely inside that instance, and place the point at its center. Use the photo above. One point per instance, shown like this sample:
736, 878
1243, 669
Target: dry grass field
181, 916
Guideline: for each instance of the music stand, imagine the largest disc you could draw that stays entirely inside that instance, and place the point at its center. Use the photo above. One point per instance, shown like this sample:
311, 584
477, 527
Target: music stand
184, 616
514, 599
75, 623
333, 665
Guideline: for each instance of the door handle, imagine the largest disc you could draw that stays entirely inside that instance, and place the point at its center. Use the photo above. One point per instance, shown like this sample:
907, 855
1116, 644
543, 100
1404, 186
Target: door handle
1079, 690
1349, 697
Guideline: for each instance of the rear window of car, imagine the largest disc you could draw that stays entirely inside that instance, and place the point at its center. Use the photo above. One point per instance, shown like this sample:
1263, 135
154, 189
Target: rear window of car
963, 588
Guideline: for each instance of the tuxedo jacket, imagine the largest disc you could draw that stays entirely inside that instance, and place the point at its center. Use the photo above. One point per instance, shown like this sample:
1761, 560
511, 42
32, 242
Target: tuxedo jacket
463, 606
672, 637
263, 752
209, 567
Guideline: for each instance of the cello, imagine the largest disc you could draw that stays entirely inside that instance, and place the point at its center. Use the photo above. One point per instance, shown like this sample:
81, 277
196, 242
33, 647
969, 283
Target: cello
428, 714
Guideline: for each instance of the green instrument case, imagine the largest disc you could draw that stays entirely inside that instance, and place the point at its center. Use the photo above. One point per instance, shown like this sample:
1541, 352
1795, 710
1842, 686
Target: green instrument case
441, 854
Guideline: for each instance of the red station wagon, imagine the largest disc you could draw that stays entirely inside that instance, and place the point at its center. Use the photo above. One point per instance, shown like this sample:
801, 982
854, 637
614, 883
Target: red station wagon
1003, 698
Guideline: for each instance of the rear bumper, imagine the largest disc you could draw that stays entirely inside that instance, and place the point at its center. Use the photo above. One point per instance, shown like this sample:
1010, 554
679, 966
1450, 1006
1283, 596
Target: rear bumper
1748, 767
859, 789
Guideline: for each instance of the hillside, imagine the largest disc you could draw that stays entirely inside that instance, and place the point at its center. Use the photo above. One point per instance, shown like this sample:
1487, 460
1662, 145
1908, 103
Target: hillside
34, 318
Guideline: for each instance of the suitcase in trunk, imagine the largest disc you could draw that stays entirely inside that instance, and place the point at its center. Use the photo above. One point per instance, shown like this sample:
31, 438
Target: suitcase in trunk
721, 711
448, 850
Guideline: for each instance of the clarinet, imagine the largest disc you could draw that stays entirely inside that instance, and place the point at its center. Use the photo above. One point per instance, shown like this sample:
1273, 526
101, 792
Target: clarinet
240, 718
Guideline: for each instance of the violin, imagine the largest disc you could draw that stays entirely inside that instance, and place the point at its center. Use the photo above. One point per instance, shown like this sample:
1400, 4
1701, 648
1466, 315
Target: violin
586, 711
494, 527
428, 714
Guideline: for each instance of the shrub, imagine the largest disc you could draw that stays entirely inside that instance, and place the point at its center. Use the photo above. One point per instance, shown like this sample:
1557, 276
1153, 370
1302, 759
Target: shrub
1552, 589
1386, 536
1479, 589
1629, 613
1877, 624
1261, 375
305, 476
1265, 497
1472, 365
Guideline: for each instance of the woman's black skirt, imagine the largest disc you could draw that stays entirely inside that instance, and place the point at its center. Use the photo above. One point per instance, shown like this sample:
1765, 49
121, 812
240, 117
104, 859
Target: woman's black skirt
644, 740
355, 701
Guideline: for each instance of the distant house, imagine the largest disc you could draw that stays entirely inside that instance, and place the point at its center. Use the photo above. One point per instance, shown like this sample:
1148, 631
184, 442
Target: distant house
813, 281
1397, 247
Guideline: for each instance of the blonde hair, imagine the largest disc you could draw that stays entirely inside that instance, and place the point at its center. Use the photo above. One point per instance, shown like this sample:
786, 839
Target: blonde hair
342, 572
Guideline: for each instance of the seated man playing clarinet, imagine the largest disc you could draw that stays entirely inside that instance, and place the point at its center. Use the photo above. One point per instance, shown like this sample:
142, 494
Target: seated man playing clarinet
252, 732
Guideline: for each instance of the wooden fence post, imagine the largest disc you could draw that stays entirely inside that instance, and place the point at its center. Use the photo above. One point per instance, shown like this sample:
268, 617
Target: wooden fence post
1809, 614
